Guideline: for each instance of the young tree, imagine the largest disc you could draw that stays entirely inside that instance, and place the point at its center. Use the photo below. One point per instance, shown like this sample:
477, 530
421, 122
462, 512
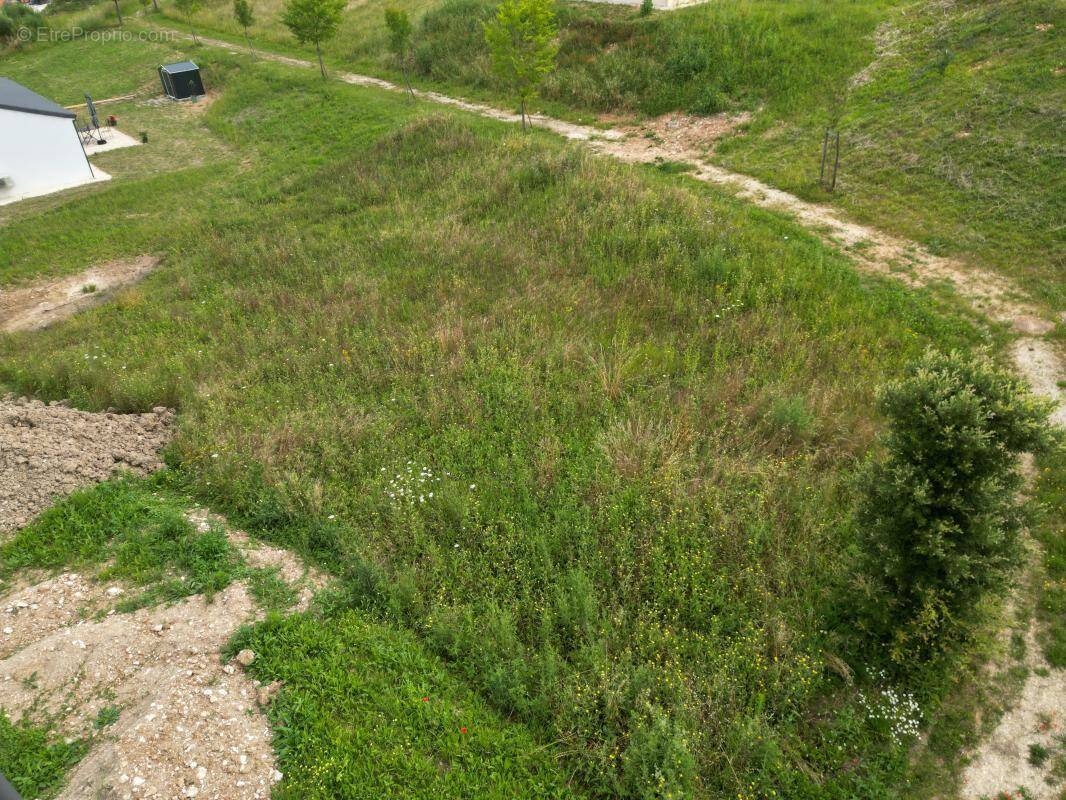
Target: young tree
940, 516
187, 8
144, 5
523, 45
313, 21
399, 26
118, 12
242, 12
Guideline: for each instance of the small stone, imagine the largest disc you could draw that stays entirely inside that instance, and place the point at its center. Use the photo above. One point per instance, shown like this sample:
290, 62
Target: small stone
264, 694
114, 591
245, 658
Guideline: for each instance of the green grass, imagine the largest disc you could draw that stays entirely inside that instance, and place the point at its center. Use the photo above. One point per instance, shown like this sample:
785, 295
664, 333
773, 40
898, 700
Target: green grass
32, 760
136, 535
366, 712
953, 142
643, 401
1051, 533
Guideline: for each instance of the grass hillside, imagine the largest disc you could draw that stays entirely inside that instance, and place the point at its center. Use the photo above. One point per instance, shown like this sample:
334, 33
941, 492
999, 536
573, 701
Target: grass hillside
949, 113
584, 433
952, 136
701, 59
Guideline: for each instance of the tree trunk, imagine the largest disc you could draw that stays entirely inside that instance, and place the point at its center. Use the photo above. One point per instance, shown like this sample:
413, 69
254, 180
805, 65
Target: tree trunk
321, 66
407, 80
248, 39
523, 114
194, 39
155, 5
119, 12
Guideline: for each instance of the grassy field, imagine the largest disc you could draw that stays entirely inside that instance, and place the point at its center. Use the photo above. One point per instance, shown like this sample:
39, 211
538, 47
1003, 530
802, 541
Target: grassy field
954, 138
948, 113
583, 432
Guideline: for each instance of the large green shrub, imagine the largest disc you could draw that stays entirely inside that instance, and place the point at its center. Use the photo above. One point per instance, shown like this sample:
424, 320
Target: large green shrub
940, 518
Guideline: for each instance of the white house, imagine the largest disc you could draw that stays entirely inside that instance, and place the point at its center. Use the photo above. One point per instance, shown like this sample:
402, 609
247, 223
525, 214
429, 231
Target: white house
40, 149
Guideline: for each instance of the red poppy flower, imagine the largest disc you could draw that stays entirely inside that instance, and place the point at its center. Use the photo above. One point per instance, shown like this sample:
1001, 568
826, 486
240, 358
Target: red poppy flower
425, 699
462, 729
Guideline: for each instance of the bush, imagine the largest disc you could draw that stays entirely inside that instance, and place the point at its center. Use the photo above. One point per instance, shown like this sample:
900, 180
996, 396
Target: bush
646, 8
451, 43
13, 17
940, 517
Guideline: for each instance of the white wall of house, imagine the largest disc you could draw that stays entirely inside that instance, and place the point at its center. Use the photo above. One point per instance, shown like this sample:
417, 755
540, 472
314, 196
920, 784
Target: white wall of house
39, 154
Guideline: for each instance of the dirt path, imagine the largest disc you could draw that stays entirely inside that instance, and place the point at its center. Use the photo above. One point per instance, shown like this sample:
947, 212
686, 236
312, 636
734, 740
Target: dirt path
185, 724
1002, 763
872, 250
42, 303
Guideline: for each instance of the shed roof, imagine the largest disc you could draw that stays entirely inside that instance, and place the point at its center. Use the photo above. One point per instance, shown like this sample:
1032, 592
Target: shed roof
179, 66
16, 97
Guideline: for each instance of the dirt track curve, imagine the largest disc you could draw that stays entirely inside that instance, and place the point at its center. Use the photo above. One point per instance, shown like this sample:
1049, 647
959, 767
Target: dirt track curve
883, 254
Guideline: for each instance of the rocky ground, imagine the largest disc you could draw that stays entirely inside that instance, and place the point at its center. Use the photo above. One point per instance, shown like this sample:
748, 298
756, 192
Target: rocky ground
49, 450
177, 721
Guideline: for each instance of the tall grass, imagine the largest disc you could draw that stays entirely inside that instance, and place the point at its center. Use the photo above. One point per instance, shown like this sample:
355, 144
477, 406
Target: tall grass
586, 433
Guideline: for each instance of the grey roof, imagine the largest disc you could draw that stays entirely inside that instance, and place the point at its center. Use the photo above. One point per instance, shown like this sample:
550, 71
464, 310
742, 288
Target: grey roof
17, 97
180, 66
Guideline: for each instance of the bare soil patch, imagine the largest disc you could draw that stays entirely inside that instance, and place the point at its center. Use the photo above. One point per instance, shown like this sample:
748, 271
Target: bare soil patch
677, 136
1002, 763
188, 725
40, 304
48, 451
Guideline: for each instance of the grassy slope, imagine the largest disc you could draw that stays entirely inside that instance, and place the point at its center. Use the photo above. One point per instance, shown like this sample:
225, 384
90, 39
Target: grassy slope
134, 531
938, 146
643, 402
955, 141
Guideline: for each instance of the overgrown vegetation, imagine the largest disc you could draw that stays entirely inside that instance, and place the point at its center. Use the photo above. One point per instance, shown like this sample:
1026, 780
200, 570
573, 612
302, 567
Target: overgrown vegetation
609, 527
352, 685
581, 431
940, 519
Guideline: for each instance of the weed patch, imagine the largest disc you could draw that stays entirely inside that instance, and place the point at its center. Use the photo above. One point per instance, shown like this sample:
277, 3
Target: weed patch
32, 760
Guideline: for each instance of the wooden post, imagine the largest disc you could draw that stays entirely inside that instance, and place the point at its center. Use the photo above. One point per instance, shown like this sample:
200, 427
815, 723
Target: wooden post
836, 164
821, 170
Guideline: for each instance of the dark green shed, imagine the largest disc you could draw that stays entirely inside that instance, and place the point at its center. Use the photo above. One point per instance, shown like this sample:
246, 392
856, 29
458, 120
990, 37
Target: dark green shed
181, 80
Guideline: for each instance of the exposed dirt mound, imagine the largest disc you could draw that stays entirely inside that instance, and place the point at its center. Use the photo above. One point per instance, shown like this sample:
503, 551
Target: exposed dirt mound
680, 136
188, 725
48, 451
40, 304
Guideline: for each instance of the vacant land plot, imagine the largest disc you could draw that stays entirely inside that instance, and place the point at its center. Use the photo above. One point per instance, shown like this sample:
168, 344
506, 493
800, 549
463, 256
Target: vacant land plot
948, 112
585, 434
